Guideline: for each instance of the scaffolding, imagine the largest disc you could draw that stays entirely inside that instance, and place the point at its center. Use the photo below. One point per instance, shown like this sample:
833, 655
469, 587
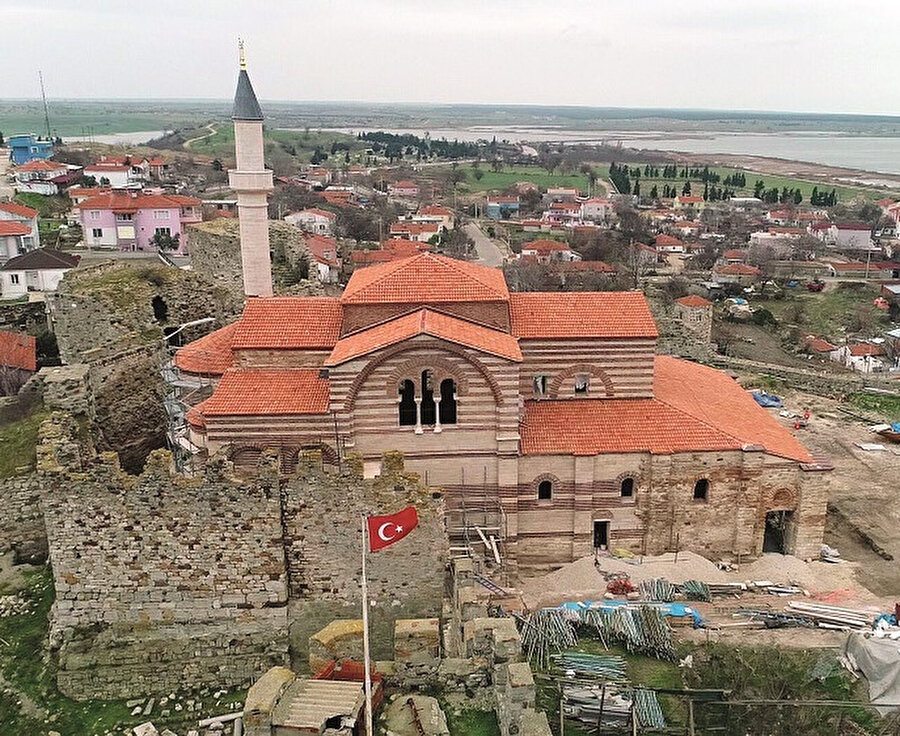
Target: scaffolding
181, 393
477, 528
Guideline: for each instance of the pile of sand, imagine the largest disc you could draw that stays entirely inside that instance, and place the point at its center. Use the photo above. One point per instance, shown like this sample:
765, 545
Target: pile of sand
582, 580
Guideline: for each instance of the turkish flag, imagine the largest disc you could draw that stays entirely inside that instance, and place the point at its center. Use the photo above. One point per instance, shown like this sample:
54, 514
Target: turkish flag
385, 530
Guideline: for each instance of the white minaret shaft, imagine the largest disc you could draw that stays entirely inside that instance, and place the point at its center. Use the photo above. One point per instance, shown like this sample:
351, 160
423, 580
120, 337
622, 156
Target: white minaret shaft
253, 184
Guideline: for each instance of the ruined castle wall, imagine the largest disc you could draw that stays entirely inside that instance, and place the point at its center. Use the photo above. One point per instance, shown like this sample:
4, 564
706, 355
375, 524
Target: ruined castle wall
21, 524
322, 519
162, 580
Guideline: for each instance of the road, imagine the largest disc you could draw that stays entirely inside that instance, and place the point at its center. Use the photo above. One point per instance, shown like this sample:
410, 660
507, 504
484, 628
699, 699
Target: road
489, 253
212, 131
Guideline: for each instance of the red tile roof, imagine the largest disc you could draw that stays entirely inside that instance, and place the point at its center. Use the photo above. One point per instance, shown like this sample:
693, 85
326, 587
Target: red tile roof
734, 254
692, 300
581, 314
138, 200
596, 266
695, 409
18, 350
861, 349
737, 269
41, 165
194, 416
426, 322
435, 209
690, 199
268, 393
14, 208
324, 249
668, 241
545, 247
210, 355
819, 345
425, 278
12, 227
289, 322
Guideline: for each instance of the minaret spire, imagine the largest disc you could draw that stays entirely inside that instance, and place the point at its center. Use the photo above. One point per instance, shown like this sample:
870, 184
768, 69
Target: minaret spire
253, 183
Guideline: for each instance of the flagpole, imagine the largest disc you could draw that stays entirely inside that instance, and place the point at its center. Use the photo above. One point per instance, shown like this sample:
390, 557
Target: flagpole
365, 620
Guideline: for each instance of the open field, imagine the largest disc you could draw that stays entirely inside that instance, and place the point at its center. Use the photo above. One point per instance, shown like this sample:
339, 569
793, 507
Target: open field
509, 175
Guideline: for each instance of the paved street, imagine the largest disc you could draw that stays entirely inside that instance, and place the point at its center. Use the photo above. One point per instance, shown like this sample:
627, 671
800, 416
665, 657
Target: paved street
489, 253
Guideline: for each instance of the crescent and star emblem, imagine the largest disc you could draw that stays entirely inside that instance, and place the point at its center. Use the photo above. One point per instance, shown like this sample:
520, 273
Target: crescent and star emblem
382, 531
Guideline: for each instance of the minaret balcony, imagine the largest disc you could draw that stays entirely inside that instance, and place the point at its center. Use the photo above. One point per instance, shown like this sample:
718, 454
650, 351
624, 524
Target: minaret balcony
250, 181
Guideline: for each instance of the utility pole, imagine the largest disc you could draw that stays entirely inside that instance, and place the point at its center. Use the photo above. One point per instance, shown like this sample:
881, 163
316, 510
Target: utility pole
44, 98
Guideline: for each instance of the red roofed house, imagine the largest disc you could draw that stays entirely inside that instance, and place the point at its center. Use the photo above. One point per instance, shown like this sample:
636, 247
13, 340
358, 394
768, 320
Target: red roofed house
545, 251
421, 231
735, 273
130, 220
864, 357
668, 244
403, 189
15, 212
324, 255
15, 239
41, 176
695, 313
18, 360
683, 201
551, 410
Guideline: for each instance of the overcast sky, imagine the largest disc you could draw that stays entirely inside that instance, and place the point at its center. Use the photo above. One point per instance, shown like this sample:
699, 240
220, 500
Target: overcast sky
804, 55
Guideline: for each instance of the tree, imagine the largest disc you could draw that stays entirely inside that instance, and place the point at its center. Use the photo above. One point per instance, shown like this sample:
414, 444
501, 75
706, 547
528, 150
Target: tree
165, 241
478, 174
637, 189
654, 192
217, 165
686, 189
104, 182
1, 138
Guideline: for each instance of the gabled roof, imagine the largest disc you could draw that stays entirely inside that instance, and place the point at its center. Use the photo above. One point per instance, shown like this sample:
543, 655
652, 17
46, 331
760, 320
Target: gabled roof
41, 259
252, 392
14, 208
863, 349
425, 322
544, 247
692, 300
13, 227
664, 240
435, 209
246, 106
820, 345
40, 164
211, 355
18, 350
734, 254
114, 200
695, 409
289, 322
319, 213
323, 249
587, 314
425, 278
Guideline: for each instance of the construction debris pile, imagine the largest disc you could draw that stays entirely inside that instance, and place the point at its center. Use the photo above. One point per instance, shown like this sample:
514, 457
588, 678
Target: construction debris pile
612, 706
819, 615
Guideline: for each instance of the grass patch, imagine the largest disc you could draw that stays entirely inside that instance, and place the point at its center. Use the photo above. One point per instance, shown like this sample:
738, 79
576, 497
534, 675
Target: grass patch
508, 176
18, 441
886, 406
472, 723
52, 206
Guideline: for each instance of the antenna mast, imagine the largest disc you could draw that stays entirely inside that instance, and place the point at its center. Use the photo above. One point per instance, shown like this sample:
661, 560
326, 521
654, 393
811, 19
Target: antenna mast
44, 98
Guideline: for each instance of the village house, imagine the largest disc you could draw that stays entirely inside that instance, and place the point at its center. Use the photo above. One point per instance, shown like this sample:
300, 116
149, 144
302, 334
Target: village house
695, 313
15, 238
596, 209
130, 220
436, 213
501, 207
686, 201
864, 357
421, 231
734, 255
18, 361
15, 212
846, 236
313, 220
561, 194
404, 188
45, 177
28, 147
688, 228
318, 177
545, 251
324, 256
115, 175
36, 272
667, 244
389, 250
735, 273
562, 213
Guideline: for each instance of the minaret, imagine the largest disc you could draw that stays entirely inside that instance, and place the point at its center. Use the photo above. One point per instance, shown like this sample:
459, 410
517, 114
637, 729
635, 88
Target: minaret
253, 184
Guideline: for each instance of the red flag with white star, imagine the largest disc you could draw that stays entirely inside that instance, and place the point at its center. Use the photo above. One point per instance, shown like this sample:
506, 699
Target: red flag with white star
385, 530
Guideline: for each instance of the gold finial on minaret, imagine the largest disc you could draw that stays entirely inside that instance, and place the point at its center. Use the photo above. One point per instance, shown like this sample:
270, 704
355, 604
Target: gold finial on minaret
241, 52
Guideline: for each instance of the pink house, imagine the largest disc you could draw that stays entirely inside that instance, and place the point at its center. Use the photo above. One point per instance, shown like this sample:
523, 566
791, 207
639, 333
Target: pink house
129, 220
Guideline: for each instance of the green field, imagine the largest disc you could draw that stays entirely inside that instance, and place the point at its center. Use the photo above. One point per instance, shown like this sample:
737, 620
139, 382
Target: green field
303, 143
509, 175
844, 193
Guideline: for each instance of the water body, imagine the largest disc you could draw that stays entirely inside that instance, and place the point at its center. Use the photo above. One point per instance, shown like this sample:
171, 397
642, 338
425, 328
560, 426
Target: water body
868, 153
118, 139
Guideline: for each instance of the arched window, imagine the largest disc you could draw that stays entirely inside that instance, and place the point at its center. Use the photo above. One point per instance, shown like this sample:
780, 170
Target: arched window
626, 490
428, 408
407, 403
701, 489
545, 490
448, 401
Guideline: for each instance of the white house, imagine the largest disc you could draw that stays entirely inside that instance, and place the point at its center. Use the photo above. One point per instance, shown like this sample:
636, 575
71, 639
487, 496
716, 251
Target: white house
15, 239
15, 212
865, 357
856, 237
117, 177
596, 209
38, 270
324, 252
44, 177
316, 221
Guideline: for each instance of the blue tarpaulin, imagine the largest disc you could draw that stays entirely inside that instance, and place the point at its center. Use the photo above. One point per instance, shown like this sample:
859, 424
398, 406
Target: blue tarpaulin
678, 610
766, 400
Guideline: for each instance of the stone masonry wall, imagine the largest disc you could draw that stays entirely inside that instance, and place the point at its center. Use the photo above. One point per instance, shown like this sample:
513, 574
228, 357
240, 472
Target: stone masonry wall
322, 515
161, 580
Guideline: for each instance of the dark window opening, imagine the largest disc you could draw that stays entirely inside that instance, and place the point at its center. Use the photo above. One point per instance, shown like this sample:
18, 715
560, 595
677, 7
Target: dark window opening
776, 532
160, 309
175, 341
407, 403
701, 489
545, 490
601, 534
540, 385
627, 488
428, 408
448, 401
581, 383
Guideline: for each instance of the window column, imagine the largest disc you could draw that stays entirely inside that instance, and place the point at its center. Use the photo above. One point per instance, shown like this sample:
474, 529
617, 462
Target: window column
418, 414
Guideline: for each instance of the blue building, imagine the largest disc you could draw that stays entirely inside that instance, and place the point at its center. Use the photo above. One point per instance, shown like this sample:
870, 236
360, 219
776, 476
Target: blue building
26, 147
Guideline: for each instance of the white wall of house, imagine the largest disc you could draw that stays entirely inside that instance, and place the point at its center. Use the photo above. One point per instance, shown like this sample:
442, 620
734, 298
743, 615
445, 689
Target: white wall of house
16, 284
